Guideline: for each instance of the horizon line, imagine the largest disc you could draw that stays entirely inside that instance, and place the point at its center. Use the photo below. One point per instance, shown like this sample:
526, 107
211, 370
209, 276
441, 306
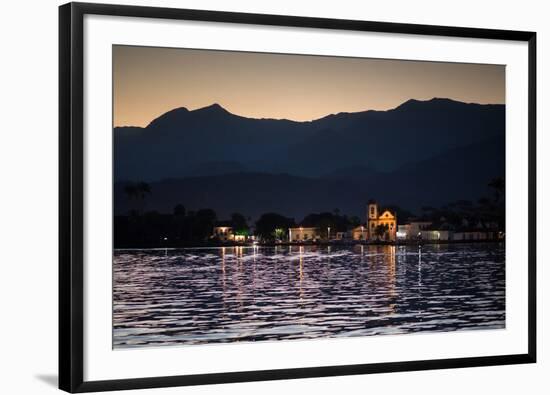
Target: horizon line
215, 104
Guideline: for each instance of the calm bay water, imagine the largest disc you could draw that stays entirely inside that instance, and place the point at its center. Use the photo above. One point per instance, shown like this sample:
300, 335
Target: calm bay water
193, 296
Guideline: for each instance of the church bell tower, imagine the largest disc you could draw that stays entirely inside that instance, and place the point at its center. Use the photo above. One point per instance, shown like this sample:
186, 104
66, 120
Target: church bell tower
372, 211
372, 217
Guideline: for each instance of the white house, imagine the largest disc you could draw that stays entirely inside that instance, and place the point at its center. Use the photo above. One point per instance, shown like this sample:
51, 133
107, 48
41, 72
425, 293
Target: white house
435, 235
413, 230
223, 233
303, 234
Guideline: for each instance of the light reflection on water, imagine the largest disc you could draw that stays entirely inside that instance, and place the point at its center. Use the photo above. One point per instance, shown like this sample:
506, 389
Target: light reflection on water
229, 294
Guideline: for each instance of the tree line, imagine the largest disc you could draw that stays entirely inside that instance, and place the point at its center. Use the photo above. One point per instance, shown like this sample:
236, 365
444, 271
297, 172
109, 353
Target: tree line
141, 228
464, 213
186, 228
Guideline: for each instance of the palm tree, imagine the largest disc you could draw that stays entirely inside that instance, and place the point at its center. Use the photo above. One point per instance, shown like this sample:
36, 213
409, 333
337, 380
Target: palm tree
381, 230
279, 233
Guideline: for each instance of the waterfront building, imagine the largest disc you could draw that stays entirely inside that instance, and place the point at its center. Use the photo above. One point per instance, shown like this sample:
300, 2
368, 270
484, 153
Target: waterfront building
475, 235
360, 233
240, 238
403, 232
377, 217
417, 227
223, 233
341, 235
303, 234
434, 235
415, 230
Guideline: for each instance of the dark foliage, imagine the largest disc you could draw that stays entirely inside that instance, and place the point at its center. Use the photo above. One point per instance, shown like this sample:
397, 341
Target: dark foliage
152, 229
272, 225
324, 221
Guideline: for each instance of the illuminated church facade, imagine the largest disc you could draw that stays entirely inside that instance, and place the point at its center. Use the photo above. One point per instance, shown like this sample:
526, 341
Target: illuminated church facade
376, 217
385, 217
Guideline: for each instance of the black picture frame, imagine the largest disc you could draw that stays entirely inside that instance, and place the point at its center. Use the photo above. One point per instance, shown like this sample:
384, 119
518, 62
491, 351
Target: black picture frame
71, 195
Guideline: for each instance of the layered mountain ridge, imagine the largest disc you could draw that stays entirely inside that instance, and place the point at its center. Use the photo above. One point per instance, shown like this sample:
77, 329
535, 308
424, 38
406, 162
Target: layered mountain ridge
419, 153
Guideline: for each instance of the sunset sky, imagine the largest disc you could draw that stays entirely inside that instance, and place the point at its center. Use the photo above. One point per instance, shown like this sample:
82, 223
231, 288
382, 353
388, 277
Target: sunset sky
149, 81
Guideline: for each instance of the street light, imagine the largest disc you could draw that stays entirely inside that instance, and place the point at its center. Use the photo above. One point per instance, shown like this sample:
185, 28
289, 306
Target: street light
328, 235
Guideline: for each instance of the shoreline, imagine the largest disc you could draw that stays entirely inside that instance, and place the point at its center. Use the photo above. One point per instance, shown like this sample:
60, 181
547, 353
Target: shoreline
319, 243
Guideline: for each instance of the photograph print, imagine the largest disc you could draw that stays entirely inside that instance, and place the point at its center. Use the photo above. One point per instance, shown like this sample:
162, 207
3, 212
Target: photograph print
276, 197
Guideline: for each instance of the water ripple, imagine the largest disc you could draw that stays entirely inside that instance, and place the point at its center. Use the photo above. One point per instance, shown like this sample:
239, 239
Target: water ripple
195, 296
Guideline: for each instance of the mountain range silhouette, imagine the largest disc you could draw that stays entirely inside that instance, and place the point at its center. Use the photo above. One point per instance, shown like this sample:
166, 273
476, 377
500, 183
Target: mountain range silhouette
419, 153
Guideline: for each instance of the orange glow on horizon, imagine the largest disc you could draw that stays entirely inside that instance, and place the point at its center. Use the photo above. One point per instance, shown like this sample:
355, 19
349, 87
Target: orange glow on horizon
150, 81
